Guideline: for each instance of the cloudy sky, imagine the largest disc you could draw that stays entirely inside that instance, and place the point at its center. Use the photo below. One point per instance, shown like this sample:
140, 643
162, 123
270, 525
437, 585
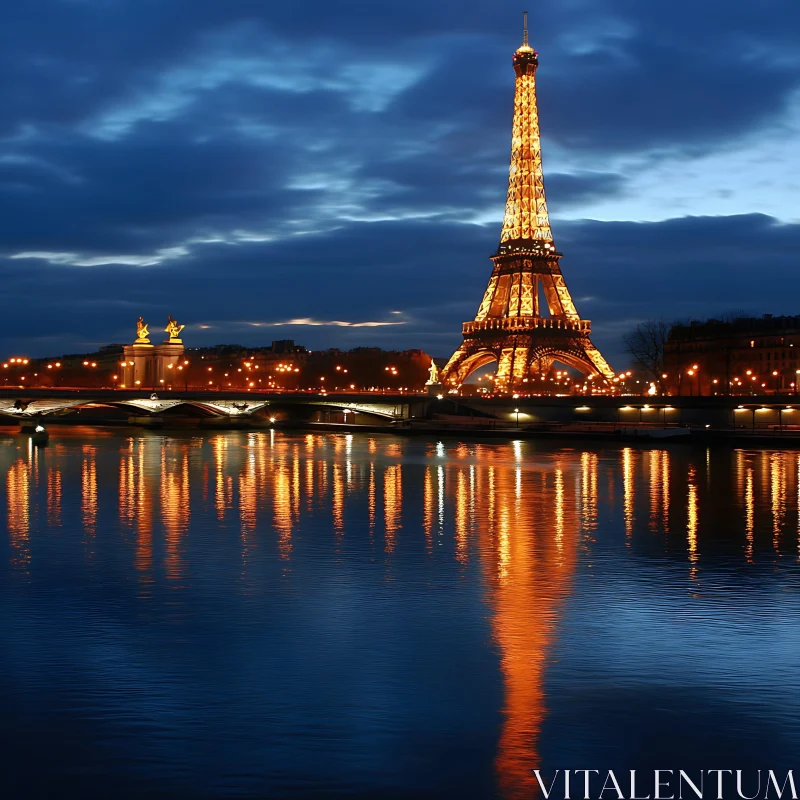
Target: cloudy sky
336, 172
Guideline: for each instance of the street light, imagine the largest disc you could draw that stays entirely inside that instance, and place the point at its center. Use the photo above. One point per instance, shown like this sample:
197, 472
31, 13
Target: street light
516, 411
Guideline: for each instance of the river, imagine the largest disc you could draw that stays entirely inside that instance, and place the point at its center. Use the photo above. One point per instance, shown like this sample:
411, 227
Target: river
354, 615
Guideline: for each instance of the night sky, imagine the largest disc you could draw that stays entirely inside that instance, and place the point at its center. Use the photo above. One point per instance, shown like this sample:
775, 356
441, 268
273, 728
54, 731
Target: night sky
336, 172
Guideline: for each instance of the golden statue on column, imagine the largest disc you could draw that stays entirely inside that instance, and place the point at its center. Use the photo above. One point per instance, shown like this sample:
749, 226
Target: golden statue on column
141, 332
174, 331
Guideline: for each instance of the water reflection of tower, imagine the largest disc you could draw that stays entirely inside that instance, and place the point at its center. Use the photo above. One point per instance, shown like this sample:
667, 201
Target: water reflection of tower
529, 528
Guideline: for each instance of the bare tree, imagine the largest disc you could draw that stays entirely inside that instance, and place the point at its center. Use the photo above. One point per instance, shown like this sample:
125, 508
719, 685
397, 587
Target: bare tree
646, 344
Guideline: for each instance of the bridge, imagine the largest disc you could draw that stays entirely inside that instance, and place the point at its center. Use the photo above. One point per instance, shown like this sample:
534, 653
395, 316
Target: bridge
743, 413
22, 404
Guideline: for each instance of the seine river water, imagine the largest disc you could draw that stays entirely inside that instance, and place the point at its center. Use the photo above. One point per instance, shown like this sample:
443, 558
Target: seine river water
285, 615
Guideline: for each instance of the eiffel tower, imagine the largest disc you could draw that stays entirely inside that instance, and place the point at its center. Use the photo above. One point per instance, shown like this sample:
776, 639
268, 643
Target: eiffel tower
509, 327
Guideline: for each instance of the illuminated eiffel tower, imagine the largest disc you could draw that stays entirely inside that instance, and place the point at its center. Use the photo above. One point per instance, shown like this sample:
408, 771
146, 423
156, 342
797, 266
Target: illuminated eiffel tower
509, 327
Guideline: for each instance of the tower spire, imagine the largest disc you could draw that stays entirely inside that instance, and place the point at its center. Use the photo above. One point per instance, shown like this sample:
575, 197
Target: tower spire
526, 215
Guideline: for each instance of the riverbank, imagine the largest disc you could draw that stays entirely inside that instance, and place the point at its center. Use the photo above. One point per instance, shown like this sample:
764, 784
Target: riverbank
639, 434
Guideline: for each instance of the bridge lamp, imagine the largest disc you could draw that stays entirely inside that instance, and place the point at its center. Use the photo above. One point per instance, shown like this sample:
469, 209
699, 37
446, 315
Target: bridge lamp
272, 420
516, 411
440, 397
137, 382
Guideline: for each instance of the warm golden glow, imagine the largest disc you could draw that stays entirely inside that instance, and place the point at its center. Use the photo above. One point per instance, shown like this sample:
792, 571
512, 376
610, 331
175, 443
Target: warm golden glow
89, 489
338, 499
175, 506
429, 508
777, 474
18, 511
535, 551
526, 209
749, 506
282, 505
392, 505
54, 497
461, 516
223, 492
628, 490
589, 465
508, 327
692, 512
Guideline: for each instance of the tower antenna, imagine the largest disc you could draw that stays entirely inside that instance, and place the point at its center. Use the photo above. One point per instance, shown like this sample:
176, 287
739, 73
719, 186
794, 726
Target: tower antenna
524, 28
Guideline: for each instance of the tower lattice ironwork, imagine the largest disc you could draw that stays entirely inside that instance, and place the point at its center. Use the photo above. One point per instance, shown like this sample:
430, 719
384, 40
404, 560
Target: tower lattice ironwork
509, 327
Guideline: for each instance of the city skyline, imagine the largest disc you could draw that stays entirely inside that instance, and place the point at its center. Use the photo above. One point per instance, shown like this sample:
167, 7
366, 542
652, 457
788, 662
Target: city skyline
249, 169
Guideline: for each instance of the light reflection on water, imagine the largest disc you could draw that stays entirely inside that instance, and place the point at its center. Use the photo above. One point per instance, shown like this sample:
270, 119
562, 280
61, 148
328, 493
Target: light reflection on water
344, 614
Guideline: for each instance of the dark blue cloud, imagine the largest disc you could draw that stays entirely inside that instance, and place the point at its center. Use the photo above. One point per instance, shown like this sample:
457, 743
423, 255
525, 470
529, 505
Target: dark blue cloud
239, 163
